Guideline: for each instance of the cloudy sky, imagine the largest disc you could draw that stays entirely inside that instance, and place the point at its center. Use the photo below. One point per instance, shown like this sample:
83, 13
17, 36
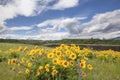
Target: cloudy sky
58, 19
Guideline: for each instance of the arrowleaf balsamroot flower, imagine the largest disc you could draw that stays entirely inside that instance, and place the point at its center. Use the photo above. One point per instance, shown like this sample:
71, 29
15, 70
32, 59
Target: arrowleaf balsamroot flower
50, 55
54, 72
65, 64
29, 64
72, 56
40, 67
38, 72
51, 64
55, 61
71, 63
89, 66
83, 74
27, 71
23, 60
13, 61
9, 61
82, 65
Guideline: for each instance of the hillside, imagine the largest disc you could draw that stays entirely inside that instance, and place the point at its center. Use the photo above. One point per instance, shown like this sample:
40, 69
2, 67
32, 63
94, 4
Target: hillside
64, 41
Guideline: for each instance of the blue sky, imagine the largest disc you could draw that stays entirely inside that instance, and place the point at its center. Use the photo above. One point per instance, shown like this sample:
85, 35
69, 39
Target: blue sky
59, 19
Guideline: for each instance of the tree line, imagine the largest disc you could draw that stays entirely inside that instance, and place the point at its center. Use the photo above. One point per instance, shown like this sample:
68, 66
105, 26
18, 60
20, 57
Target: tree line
63, 41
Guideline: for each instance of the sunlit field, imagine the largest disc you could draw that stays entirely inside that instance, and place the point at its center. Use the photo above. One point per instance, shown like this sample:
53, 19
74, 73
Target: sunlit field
29, 62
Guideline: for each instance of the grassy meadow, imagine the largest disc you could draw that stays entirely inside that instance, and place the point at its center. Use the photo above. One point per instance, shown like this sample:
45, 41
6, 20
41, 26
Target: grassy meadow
104, 64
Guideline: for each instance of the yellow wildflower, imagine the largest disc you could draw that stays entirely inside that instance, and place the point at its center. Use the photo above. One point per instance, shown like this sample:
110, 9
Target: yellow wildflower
54, 72
13, 61
47, 65
55, 61
71, 62
53, 67
50, 55
65, 63
41, 67
83, 74
29, 64
85, 58
82, 65
19, 64
38, 72
23, 60
89, 66
47, 69
9, 61
72, 56
27, 71
58, 53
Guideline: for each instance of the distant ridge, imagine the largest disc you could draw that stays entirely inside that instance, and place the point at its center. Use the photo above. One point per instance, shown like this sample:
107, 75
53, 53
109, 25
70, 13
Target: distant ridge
116, 38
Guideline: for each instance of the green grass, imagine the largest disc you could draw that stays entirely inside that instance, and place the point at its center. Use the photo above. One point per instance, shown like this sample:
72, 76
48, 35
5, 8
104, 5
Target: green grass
7, 74
101, 70
104, 71
6, 46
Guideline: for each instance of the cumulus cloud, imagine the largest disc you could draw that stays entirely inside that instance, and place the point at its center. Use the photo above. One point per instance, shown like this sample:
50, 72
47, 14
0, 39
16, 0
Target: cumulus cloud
10, 9
20, 28
109, 21
2, 27
26, 7
104, 23
18, 7
47, 36
68, 24
63, 4
52, 36
13, 8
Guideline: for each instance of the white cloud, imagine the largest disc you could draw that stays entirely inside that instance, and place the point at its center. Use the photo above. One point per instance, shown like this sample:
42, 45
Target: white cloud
10, 9
104, 23
69, 24
52, 36
13, 8
20, 28
2, 27
46, 36
18, 7
63, 4
26, 7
